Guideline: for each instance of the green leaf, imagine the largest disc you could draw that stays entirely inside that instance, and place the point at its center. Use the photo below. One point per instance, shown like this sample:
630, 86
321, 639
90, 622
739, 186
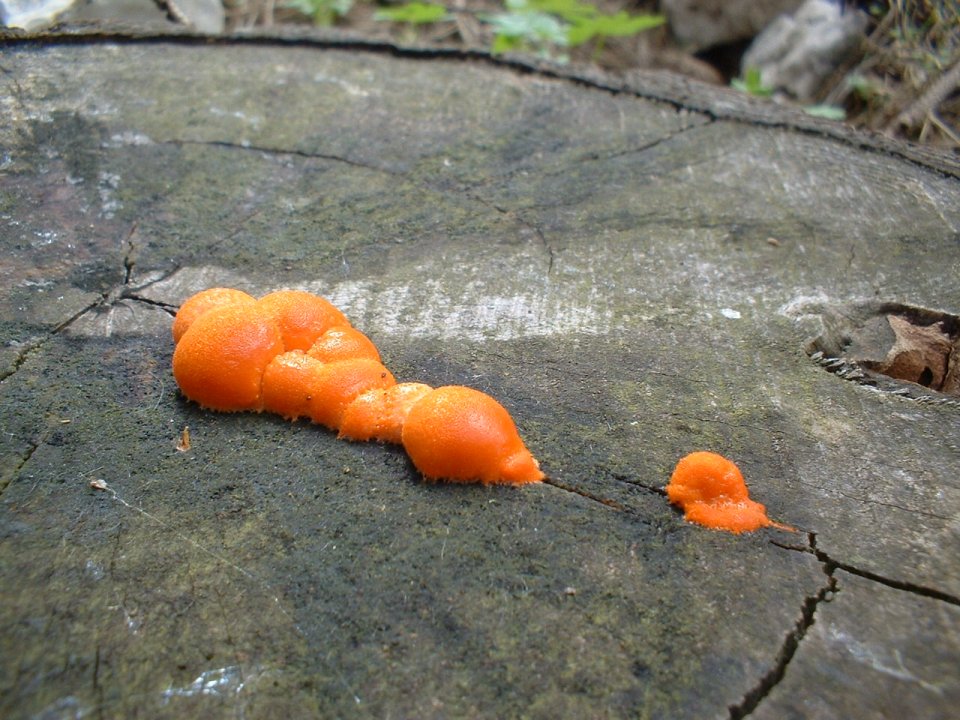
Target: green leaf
415, 13
529, 27
572, 11
830, 112
752, 83
619, 25
323, 12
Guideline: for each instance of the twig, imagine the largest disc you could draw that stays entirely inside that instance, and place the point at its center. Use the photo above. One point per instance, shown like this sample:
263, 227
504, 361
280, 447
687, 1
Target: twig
921, 109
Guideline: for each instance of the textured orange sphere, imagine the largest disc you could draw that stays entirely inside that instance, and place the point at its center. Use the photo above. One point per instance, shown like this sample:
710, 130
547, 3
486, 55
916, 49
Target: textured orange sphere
303, 317
220, 359
196, 305
381, 413
343, 343
461, 434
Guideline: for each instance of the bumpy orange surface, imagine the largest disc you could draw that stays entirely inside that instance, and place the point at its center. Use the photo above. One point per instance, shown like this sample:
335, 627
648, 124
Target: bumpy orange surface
457, 433
198, 304
712, 492
295, 354
220, 359
302, 316
343, 343
381, 414
289, 384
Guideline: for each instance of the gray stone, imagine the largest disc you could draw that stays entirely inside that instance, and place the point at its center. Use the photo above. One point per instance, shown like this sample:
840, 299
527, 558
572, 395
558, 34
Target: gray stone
31, 14
797, 52
701, 24
204, 16
633, 272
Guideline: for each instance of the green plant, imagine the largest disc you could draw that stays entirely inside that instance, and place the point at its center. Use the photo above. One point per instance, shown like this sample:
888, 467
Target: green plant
413, 13
526, 29
602, 27
830, 112
752, 84
322, 12
542, 25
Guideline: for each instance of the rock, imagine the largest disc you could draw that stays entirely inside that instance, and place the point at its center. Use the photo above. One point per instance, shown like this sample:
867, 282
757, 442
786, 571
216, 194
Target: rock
796, 53
205, 16
701, 24
31, 14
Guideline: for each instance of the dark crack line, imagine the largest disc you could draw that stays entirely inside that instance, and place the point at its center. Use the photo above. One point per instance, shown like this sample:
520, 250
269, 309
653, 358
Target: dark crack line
607, 502
8, 477
36, 342
288, 152
788, 649
586, 494
168, 308
791, 642
471, 193
124, 290
832, 564
656, 142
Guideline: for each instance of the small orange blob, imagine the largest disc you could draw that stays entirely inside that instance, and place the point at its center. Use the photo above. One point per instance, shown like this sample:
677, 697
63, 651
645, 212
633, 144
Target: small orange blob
220, 359
712, 492
336, 384
288, 384
196, 305
343, 343
380, 414
461, 434
303, 317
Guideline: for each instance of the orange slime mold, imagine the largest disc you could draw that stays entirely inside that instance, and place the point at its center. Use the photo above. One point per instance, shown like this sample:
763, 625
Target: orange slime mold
380, 414
461, 434
295, 354
302, 316
712, 492
220, 359
343, 343
203, 301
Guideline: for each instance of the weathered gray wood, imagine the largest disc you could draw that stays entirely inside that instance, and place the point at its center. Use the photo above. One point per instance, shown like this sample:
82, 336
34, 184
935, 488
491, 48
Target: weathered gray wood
634, 280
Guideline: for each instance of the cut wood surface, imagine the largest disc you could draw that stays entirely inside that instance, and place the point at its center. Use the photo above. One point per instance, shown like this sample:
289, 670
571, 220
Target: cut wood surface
634, 270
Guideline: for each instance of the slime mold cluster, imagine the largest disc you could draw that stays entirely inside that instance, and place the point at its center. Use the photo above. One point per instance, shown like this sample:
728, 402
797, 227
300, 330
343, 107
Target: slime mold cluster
295, 354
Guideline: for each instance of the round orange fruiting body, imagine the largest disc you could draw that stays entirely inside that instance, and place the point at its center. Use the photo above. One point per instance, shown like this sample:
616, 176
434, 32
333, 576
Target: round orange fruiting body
303, 317
343, 343
712, 492
196, 305
461, 434
380, 414
287, 384
220, 359
338, 383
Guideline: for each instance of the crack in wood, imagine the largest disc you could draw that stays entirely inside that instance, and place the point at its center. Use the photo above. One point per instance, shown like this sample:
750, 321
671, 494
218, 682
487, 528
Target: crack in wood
8, 477
791, 642
35, 342
586, 494
752, 699
283, 152
832, 564
608, 502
